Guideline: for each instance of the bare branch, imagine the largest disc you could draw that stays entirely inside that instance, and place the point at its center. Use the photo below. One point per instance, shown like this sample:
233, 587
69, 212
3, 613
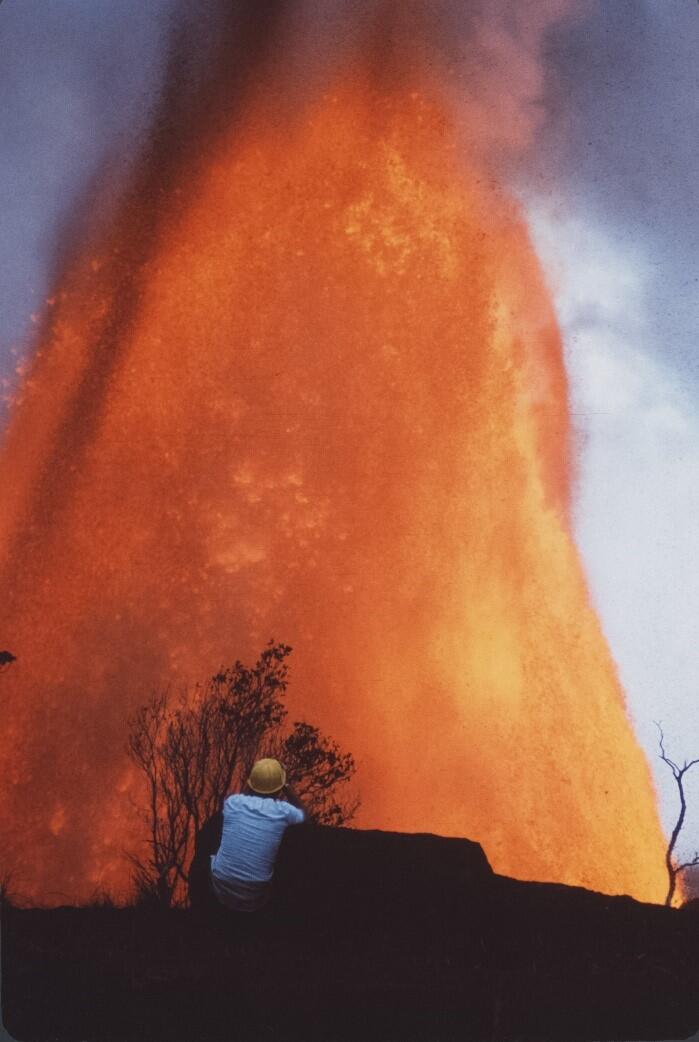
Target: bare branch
673, 870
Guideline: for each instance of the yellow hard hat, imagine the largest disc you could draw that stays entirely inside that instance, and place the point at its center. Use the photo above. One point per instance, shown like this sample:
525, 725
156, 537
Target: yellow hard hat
267, 776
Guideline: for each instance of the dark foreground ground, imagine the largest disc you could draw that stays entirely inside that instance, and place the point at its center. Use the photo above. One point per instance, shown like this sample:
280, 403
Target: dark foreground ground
373, 936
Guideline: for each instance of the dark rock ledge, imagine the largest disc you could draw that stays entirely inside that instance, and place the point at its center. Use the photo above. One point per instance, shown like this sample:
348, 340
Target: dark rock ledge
371, 936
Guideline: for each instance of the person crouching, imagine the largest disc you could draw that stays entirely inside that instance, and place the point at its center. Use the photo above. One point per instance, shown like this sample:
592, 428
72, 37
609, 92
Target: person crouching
254, 823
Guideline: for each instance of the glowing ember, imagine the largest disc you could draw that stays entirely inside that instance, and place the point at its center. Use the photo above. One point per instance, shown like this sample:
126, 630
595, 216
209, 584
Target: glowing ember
327, 405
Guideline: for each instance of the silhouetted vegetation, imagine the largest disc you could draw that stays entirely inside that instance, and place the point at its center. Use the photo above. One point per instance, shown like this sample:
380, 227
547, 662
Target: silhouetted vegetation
675, 868
6, 659
198, 746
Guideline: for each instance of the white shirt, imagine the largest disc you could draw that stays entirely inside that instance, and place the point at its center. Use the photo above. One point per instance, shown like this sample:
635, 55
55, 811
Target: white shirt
253, 827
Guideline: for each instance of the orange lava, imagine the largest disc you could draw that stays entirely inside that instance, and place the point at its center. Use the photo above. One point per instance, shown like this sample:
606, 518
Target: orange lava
327, 405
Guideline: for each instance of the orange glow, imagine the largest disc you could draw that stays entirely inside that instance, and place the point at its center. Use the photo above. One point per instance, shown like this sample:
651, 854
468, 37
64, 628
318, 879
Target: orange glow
327, 405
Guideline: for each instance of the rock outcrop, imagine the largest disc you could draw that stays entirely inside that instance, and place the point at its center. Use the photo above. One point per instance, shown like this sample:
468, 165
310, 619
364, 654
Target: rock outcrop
370, 935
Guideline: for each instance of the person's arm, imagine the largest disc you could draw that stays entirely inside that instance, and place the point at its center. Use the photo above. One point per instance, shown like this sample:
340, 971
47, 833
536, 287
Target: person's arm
292, 797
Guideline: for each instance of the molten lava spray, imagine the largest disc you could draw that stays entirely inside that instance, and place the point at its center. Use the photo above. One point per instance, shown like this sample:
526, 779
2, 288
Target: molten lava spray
320, 398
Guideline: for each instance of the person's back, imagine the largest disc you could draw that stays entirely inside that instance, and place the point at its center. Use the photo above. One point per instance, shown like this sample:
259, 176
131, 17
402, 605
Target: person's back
253, 826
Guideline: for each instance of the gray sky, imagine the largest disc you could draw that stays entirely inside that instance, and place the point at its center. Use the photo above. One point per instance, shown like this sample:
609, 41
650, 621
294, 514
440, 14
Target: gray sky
612, 199
622, 137
610, 188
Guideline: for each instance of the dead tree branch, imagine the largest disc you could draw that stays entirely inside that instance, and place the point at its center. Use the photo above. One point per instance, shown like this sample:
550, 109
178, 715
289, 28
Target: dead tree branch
678, 773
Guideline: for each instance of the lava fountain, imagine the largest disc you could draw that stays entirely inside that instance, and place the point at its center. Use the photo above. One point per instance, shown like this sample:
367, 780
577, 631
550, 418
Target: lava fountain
321, 398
